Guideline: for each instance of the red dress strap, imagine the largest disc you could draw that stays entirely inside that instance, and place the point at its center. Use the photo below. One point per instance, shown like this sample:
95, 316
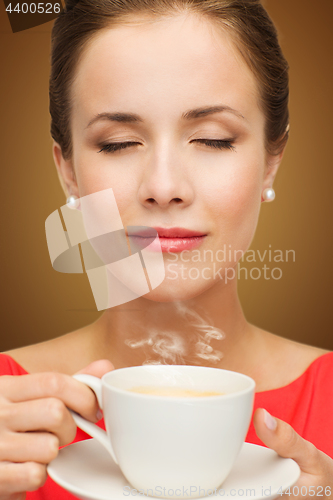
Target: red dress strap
8, 366
306, 404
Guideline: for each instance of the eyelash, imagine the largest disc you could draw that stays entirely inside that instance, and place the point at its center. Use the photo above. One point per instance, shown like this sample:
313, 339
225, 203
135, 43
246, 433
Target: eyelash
112, 147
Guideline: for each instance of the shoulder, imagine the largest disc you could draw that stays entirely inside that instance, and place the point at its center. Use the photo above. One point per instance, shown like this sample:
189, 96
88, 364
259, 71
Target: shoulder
292, 351
65, 354
286, 360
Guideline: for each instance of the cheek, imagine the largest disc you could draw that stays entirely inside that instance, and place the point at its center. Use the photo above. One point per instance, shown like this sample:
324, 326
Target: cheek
94, 178
233, 202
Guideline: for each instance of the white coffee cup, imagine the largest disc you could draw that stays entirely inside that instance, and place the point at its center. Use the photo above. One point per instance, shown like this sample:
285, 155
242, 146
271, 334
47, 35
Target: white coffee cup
172, 446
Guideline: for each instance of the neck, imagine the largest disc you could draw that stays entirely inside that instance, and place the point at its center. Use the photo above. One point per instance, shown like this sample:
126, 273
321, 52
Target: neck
208, 330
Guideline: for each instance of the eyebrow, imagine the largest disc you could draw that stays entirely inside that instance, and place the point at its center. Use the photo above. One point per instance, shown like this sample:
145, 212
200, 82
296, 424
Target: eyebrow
188, 115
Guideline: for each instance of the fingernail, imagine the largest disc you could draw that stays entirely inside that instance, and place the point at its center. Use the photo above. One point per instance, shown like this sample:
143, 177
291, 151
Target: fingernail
270, 421
99, 414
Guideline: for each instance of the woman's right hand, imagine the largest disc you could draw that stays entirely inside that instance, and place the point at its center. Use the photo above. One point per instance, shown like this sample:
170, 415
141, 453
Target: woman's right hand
35, 421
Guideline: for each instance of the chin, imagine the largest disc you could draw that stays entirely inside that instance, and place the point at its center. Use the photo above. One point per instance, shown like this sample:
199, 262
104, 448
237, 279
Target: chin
178, 290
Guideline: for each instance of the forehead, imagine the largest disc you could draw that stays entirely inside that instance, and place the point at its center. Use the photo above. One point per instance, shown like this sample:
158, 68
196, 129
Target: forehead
161, 68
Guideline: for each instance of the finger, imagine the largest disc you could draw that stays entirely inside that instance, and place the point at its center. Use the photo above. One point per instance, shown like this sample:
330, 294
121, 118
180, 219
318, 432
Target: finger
18, 478
71, 392
41, 447
286, 442
16, 496
49, 414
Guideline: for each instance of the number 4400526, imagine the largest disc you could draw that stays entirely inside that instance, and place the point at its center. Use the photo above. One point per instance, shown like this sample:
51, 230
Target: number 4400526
304, 491
34, 8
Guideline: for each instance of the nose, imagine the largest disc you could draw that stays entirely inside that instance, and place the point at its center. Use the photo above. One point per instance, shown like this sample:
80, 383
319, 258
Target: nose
165, 182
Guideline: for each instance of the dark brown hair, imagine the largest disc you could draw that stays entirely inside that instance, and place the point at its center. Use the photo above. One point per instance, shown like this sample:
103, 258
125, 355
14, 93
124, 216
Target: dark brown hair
246, 20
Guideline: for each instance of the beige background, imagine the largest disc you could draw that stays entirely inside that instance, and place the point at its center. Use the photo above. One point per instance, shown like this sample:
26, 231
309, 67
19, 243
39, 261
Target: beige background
37, 303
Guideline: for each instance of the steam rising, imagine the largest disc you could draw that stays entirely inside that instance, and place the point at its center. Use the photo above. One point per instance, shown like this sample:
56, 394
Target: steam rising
179, 347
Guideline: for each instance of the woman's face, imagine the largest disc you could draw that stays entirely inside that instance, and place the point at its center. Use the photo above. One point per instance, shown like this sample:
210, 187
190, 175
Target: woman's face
168, 176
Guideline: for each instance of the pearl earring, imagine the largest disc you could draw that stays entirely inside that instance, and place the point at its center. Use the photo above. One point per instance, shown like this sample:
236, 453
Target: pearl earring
268, 194
72, 201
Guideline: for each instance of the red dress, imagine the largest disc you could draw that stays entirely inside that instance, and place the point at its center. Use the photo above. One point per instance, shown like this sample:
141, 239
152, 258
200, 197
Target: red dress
306, 404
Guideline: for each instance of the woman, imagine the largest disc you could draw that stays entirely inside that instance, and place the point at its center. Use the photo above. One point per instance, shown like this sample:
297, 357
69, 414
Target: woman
181, 108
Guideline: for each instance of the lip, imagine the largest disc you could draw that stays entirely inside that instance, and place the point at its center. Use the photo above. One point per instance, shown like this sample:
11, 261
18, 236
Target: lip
173, 239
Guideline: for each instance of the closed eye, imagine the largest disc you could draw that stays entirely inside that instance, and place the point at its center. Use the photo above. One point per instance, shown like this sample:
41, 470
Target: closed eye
216, 143
212, 143
115, 146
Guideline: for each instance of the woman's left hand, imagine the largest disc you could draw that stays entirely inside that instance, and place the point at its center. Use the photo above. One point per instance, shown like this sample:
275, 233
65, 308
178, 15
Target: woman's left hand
316, 467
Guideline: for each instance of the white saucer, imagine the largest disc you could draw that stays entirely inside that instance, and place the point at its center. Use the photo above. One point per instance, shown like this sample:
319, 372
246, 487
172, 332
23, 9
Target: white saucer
86, 470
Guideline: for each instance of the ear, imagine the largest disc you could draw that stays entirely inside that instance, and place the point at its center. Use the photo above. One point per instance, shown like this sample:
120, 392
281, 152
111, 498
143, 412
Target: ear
65, 171
272, 165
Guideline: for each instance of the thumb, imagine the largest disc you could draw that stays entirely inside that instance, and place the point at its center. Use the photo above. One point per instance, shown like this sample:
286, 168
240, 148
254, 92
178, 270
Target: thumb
282, 438
98, 368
